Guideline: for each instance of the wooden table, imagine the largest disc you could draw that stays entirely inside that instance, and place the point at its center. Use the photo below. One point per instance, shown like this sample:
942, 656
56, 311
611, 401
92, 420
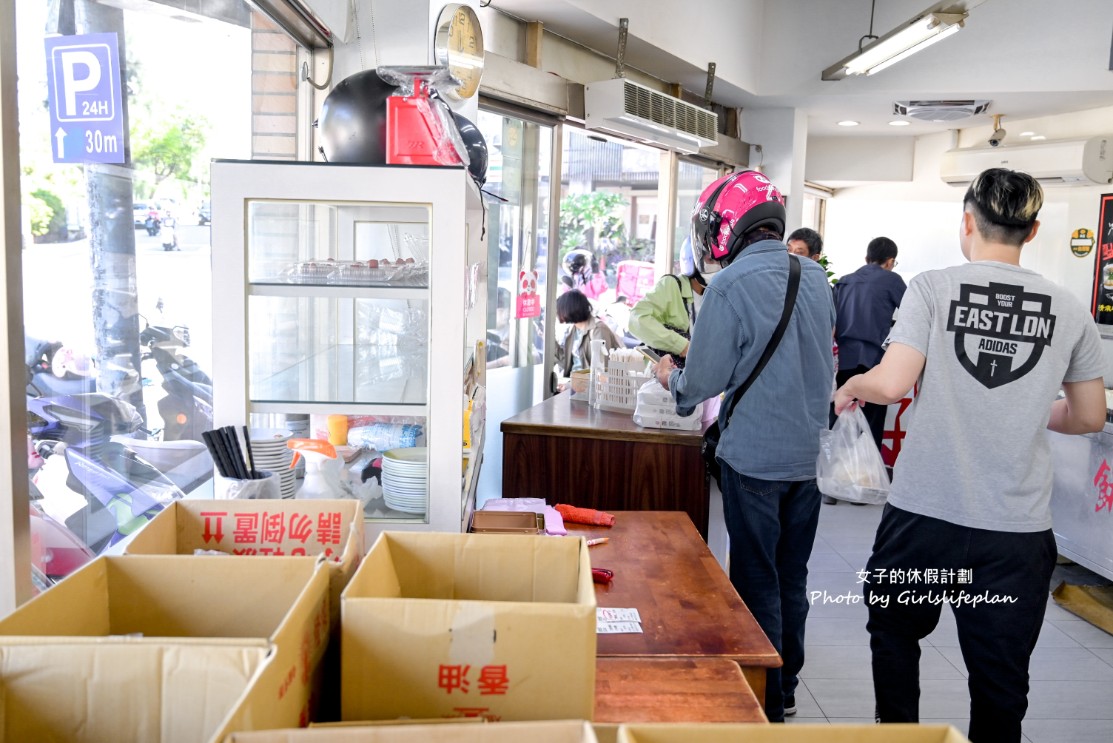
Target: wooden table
673, 690
565, 451
688, 607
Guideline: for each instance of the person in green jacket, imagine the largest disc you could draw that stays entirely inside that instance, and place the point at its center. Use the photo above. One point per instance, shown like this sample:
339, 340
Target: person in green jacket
663, 318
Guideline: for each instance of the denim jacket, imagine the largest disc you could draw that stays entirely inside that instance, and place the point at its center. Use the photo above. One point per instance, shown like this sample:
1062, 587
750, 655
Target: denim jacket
774, 432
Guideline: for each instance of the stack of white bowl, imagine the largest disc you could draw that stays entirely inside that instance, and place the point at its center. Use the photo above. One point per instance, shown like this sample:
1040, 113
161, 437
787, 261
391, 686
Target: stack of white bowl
268, 447
406, 479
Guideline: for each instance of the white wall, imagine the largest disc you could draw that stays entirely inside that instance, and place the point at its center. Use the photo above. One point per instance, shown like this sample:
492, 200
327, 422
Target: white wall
922, 215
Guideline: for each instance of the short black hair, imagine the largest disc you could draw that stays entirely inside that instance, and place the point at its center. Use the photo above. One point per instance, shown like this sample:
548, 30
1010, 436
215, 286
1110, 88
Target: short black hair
809, 237
880, 250
756, 235
1005, 204
573, 306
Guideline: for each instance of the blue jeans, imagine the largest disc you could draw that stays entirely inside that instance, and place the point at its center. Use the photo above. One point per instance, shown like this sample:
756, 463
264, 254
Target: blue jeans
772, 528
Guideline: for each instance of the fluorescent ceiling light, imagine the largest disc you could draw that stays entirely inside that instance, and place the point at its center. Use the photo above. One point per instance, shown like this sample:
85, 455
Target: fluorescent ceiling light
919, 33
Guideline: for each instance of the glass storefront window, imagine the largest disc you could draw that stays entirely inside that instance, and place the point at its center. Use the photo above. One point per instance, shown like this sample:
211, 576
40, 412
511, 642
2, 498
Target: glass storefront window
608, 222
519, 157
691, 180
116, 271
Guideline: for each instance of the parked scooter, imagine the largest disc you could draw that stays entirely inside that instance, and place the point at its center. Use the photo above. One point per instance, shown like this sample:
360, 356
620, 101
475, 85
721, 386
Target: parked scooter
69, 375
98, 487
153, 224
187, 408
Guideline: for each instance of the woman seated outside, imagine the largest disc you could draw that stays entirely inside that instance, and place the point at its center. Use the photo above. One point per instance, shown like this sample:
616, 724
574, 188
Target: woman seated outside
574, 353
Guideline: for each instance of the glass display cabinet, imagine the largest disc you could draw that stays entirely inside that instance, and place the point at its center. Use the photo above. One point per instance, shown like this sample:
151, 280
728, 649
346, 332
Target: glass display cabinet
357, 294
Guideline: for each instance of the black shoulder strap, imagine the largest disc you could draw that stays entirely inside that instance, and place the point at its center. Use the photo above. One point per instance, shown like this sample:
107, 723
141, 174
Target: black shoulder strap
775, 340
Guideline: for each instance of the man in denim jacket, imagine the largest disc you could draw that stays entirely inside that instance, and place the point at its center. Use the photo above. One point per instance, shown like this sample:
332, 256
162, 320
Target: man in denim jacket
769, 445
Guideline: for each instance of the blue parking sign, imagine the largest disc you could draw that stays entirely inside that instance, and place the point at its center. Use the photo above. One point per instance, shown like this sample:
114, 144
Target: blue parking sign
83, 88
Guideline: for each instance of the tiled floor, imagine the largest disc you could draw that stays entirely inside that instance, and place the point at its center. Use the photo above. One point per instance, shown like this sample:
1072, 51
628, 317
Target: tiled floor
1071, 697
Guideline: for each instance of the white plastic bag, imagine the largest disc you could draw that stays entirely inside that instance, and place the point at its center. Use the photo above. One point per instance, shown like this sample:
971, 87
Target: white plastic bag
849, 466
656, 409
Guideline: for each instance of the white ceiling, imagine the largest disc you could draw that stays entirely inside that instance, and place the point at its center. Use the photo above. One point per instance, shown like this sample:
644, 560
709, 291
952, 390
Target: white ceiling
1031, 58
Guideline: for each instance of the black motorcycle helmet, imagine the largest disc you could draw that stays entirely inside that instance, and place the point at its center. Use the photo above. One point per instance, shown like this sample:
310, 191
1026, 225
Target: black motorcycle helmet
353, 120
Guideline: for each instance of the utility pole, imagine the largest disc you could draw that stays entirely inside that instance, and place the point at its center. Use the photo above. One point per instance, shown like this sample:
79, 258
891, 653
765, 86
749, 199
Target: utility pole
111, 232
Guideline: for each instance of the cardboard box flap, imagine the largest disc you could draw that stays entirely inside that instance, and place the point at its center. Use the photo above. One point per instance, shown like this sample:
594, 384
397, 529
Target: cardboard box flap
561, 731
737, 733
167, 596
50, 692
255, 527
466, 567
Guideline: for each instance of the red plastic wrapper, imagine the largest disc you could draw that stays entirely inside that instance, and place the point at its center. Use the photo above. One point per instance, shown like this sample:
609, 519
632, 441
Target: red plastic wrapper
576, 515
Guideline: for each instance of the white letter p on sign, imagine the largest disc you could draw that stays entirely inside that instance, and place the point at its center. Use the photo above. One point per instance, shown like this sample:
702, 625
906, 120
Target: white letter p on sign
71, 84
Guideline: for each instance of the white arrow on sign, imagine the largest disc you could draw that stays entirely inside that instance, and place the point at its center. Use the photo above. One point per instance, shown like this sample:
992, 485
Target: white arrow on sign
58, 137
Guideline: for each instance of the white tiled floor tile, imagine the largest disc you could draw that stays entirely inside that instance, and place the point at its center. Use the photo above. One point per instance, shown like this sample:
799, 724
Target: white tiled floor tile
1106, 654
1070, 700
1075, 731
853, 662
1067, 664
822, 630
1084, 633
828, 561
843, 697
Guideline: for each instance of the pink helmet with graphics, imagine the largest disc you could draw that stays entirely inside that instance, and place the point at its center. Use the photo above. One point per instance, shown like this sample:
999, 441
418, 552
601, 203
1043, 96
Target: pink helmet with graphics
728, 209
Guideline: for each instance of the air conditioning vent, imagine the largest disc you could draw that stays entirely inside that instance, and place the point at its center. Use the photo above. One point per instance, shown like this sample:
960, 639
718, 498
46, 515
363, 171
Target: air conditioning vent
940, 110
622, 107
1068, 162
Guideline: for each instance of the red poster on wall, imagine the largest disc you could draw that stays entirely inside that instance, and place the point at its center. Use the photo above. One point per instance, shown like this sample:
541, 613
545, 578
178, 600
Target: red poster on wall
529, 303
1102, 304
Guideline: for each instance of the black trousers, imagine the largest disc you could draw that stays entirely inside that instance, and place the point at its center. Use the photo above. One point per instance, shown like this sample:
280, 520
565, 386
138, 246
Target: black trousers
874, 413
997, 586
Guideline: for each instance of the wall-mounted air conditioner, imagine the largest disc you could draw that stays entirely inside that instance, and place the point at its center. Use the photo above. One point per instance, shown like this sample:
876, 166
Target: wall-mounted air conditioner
628, 109
1066, 162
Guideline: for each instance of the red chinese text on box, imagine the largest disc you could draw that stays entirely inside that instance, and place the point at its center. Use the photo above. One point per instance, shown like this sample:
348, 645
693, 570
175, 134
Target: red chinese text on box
490, 679
273, 528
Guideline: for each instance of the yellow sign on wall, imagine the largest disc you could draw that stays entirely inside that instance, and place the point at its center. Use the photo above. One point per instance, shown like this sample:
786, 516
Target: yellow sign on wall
1081, 242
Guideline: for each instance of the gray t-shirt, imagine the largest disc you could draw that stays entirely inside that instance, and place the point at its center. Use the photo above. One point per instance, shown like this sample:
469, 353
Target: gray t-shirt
999, 341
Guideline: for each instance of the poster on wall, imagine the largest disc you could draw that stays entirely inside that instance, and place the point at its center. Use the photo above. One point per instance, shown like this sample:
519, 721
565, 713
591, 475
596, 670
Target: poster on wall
1102, 305
529, 302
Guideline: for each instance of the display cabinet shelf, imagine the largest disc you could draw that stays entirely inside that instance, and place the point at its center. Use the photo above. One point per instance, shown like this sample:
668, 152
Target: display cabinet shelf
356, 291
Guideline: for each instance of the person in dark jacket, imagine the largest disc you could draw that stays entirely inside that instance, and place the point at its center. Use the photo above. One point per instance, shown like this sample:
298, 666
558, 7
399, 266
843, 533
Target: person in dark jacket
865, 302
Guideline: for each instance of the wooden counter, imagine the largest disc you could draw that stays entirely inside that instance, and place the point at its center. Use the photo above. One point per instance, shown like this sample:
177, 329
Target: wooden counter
565, 451
688, 607
673, 690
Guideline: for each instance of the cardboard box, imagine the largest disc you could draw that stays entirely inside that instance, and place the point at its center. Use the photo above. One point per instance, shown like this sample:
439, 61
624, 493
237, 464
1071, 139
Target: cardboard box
565, 731
165, 649
333, 528
469, 625
738, 733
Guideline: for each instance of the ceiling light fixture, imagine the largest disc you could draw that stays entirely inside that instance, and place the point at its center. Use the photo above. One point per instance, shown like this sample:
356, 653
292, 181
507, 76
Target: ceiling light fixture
899, 122
848, 122
929, 27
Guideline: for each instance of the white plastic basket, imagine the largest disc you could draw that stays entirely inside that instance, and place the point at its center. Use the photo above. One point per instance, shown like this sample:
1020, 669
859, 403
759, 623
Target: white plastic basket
617, 385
